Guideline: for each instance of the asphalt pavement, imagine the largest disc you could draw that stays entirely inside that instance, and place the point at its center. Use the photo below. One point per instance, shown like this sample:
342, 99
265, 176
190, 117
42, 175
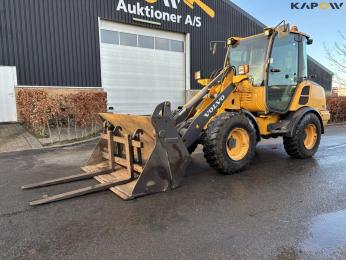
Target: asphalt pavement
278, 208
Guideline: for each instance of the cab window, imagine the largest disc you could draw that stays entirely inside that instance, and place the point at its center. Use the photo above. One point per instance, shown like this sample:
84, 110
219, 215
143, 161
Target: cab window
251, 51
282, 73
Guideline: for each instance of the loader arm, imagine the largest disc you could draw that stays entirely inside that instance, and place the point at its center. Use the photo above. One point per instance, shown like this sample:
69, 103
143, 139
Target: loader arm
194, 131
196, 100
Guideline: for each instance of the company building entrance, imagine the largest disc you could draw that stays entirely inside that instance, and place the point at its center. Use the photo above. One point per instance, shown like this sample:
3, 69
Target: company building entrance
141, 67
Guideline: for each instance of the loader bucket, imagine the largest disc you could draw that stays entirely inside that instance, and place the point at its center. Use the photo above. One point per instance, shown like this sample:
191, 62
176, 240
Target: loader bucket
136, 156
145, 154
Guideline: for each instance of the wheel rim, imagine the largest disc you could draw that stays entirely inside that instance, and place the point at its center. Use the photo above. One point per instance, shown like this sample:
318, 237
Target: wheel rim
238, 143
310, 136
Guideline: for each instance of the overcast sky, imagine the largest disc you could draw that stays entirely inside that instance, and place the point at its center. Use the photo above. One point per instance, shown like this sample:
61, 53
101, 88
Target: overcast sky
321, 25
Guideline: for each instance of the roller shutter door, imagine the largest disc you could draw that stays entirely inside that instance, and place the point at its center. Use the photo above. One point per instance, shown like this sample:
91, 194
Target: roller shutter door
141, 67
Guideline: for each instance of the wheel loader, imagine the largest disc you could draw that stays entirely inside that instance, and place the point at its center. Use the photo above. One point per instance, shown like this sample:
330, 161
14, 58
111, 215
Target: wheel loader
262, 91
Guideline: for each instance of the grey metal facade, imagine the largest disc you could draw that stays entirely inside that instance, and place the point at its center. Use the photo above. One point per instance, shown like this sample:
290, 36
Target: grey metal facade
320, 74
56, 42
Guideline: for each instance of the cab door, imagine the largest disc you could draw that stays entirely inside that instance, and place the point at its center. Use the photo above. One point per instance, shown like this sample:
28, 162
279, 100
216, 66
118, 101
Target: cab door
282, 73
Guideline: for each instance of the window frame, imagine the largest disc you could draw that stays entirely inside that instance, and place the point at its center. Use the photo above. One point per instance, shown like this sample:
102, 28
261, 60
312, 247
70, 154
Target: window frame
165, 39
181, 42
145, 36
130, 34
110, 31
118, 42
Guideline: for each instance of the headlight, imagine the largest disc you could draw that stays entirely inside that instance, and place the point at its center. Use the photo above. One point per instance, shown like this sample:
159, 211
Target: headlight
268, 31
197, 75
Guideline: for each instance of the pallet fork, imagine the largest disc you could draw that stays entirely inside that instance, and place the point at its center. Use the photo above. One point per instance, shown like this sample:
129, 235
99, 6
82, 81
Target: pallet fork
136, 156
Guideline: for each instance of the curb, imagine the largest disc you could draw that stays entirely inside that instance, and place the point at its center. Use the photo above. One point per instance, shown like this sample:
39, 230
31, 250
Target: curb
336, 124
70, 144
53, 147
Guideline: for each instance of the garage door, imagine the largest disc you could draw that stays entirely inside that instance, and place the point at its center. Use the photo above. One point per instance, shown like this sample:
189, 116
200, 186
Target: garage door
141, 67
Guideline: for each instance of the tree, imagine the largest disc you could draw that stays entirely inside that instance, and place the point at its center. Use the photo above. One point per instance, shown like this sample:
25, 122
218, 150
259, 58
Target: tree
337, 56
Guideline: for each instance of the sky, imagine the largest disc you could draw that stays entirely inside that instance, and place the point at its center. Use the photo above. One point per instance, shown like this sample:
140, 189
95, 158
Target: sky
321, 25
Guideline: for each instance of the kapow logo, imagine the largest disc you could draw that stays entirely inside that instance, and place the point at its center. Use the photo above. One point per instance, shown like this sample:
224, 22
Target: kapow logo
314, 5
189, 3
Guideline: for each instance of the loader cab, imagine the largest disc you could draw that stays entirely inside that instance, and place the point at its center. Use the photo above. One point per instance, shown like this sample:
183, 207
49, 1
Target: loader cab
286, 68
277, 61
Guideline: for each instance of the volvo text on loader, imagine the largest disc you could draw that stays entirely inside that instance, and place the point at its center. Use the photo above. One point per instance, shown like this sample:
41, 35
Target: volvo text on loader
262, 91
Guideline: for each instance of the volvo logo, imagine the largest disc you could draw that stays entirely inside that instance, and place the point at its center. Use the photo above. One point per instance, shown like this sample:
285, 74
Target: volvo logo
214, 106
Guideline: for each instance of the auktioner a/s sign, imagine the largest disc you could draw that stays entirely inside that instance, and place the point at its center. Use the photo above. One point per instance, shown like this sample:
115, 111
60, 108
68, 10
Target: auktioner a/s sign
149, 11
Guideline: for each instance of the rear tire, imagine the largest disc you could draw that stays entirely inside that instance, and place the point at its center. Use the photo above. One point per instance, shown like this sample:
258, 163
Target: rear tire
306, 138
229, 142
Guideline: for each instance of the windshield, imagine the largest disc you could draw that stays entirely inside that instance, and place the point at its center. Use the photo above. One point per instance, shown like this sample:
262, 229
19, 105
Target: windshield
251, 51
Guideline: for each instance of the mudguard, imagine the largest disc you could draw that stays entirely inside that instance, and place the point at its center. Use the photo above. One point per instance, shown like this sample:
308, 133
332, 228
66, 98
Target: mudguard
295, 117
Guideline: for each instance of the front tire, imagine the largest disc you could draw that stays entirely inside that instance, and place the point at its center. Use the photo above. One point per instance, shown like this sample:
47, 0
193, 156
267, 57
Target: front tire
306, 138
229, 142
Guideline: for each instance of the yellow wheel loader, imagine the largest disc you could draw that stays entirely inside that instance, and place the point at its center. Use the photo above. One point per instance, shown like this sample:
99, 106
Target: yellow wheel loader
262, 91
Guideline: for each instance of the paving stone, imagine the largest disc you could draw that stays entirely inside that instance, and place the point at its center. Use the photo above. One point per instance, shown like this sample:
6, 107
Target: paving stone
14, 137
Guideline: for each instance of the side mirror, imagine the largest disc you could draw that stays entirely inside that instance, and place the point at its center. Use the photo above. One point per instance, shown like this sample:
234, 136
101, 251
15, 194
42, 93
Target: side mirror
213, 46
309, 41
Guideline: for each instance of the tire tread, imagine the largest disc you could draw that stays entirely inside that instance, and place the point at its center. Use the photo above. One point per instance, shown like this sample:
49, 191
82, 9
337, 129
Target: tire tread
213, 153
292, 144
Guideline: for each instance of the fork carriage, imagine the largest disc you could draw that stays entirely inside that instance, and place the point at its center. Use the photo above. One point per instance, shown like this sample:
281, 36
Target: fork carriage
136, 155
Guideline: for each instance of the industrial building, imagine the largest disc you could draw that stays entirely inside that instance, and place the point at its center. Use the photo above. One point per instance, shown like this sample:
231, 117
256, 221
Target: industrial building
141, 52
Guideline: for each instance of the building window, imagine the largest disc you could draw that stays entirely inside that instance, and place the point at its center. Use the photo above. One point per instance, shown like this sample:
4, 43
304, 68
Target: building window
128, 39
162, 44
145, 41
110, 37
177, 46
142, 41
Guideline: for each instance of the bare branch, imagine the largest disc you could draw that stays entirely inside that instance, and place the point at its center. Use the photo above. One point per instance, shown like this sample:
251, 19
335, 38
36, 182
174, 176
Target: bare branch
342, 35
340, 50
337, 57
339, 80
